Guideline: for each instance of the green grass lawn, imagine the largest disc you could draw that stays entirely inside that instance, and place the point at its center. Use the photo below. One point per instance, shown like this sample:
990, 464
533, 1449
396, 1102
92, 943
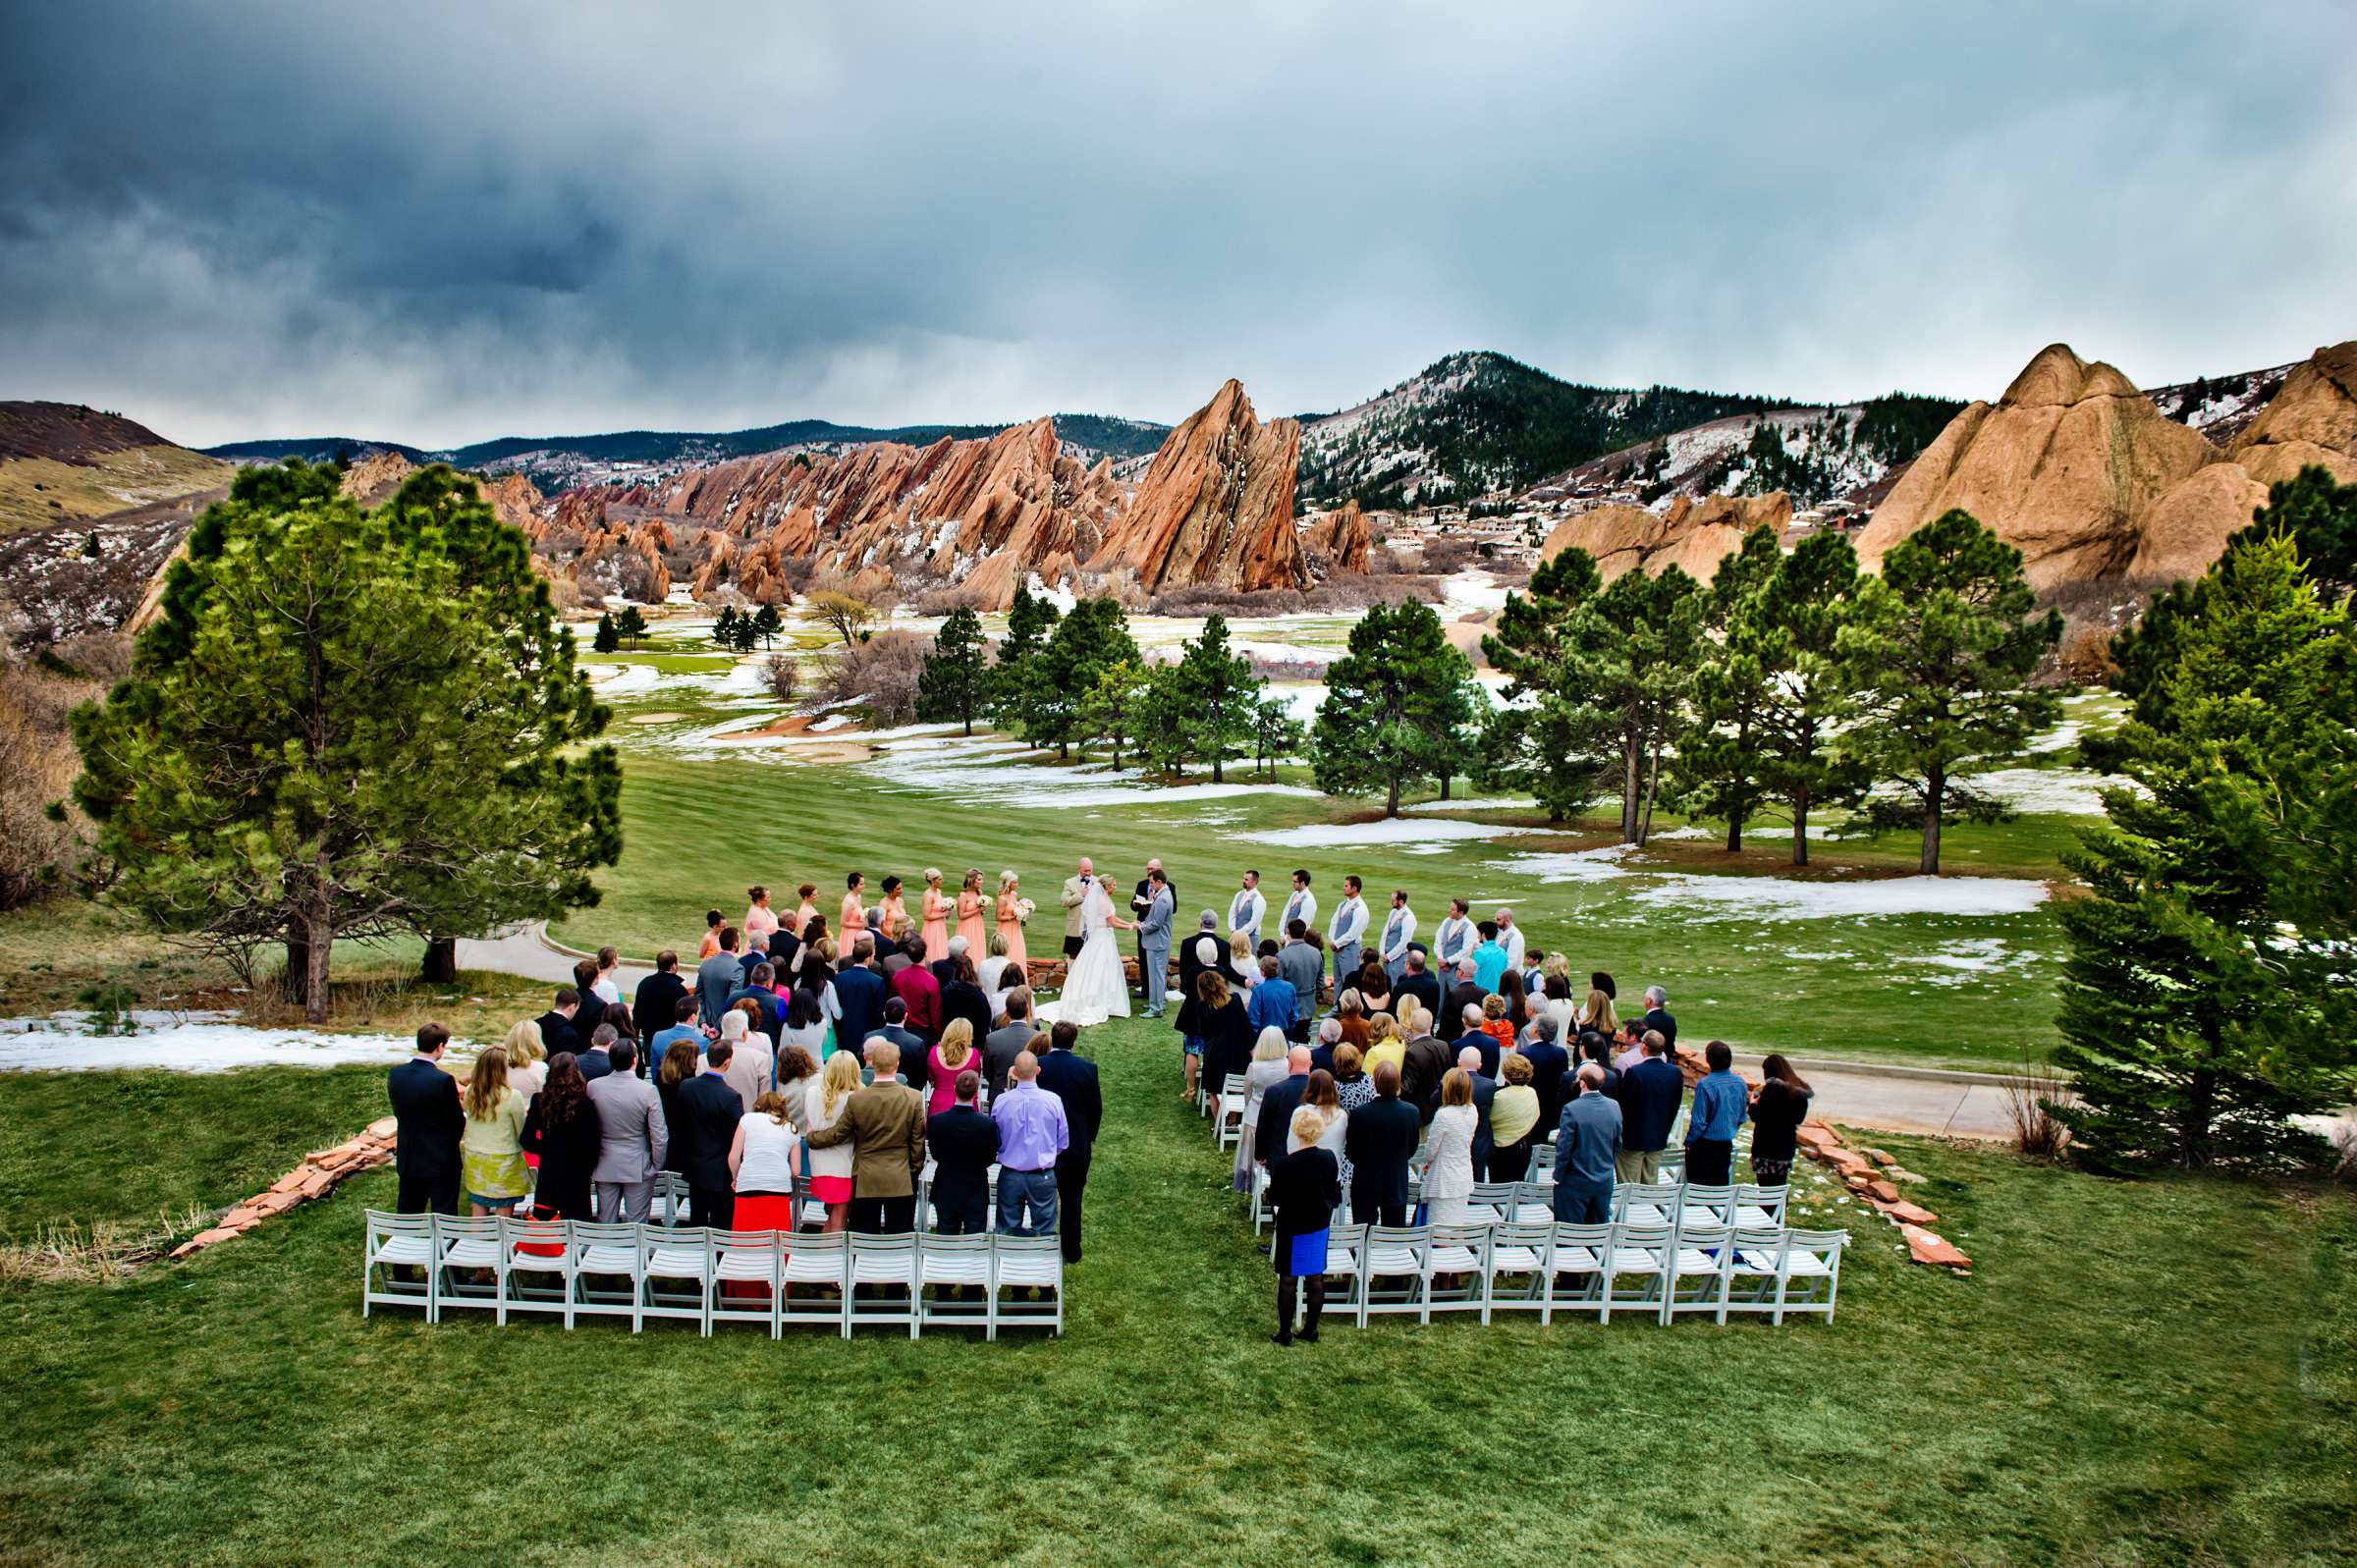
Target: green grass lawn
2155, 1373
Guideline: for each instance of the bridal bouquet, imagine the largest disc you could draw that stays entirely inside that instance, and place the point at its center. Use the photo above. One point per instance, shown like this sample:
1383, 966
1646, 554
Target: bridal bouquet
1023, 908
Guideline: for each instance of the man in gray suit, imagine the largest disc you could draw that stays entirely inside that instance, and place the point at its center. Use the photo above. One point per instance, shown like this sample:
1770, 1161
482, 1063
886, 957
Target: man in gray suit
1002, 1046
1154, 938
631, 1140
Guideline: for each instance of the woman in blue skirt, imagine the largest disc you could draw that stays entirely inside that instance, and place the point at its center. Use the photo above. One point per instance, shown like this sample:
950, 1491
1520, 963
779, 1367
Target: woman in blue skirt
1305, 1186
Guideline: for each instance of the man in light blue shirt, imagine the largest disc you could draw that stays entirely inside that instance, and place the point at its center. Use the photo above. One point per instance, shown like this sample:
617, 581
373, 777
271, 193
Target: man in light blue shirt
1273, 1001
1489, 959
1720, 1104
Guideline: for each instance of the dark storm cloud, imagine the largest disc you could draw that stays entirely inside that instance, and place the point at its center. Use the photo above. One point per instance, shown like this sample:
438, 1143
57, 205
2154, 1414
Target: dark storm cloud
439, 224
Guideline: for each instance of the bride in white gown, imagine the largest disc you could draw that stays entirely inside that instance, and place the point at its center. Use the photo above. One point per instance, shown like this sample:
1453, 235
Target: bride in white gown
1095, 988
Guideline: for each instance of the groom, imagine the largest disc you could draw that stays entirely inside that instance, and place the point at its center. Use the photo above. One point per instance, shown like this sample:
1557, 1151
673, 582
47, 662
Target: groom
1154, 938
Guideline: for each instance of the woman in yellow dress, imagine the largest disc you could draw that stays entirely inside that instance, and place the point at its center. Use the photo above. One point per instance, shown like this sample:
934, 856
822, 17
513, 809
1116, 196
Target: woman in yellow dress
970, 915
890, 911
1011, 919
937, 917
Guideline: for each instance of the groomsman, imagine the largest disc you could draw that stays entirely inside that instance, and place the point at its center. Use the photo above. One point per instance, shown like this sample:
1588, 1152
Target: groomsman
1247, 908
1345, 932
1399, 930
1138, 903
1452, 943
1302, 905
1510, 937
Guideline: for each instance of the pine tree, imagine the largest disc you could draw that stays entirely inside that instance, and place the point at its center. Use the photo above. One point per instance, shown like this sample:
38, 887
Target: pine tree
1720, 767
2203, 1003
1792, 630
1095, 636
1017, 673
1547, 737
1943, 645
1395, 706
1276, 734
746, 633
2320, 513
1221, 690
631, 624
607, 639
346, 724
955, 683
767, 623
1109, 710
724, 628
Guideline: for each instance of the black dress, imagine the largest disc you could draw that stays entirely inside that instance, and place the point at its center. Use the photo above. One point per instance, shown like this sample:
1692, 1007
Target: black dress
1306, 1187
567, 1155
1226, 1036
1776, 1119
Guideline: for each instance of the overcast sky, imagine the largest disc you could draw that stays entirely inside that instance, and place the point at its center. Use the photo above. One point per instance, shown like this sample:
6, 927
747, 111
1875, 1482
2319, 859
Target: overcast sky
440, 224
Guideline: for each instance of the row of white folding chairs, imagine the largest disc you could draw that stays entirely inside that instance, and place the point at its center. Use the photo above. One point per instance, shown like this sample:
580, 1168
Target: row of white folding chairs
709, 1277
1660, 1271
1493, 1203
670, 1204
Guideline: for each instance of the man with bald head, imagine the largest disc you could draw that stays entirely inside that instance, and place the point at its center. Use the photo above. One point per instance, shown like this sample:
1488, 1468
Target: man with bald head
1485, 1092
1032, 1132
1075, 889
1278, 1103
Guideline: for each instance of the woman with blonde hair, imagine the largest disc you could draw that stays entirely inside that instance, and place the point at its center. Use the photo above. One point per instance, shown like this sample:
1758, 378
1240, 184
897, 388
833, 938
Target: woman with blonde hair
1449, 1178
1243, 964
491, 1164
1325, 1097
1304, 1189
1596, 1011
953, 1054
831, 1169
527, 1058
1012, 915
970, 915
1514, 1119
1386, 1042
936, 910
1267, 1070
991, 967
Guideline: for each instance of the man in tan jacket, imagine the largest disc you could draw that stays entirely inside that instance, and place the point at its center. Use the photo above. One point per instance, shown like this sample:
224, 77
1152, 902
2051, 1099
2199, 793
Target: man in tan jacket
885, 1123
1076, 887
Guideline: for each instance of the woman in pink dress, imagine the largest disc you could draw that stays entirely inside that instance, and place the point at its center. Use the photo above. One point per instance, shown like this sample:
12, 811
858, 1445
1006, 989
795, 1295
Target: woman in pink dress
854, 915
954, 1055
759, 920
970, 915
1011, 919
890, 911
806, 912
936, 918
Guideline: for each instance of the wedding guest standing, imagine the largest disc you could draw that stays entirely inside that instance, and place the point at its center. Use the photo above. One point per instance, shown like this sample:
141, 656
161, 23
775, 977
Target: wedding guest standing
1073, 1078
1399, 930
759, 919
427, 1121
1720, 1104
528, 1063
654, 1008
1304, 1189
1587, 1151
1225, 1027
830, 1180
854, 922
885, 919
491, 1150
634, 1140
1380, 1141
1011, 915
1345, 932
560, 1128
969, 914
1777, 1112
761, 1164
1513, 1121
1449, 1178
709, 1110
966, 1145
936, 910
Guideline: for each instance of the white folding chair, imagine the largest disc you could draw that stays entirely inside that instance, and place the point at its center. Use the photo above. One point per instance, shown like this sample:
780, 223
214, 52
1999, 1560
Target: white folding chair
1524, 1251
595, 1251
955, 1263
1576, 1277
1706, 1206
1635, 1267
1760, 1208
1022, 1263
1647, 1203
745, 1258
1783, 1270
668, 1204
398, 1241
1260, 1197
883, 1264
1491, 1204
668, 1256
1697, 1280
1234, 1091
1343, 1244
1395, 1251
1462, 1251
817, 1260
1534, 1202
1541, 1160
533, 1247
464, 1242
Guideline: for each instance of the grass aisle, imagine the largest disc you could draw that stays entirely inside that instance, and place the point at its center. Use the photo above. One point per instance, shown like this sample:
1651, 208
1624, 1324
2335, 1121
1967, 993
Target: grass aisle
2136, 1374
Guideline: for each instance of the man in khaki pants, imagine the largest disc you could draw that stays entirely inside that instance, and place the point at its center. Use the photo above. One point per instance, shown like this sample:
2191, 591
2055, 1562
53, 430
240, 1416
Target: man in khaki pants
1075, 889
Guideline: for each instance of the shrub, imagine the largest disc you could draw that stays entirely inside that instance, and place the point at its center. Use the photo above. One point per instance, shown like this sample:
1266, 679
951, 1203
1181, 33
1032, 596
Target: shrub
880, 673
783, 675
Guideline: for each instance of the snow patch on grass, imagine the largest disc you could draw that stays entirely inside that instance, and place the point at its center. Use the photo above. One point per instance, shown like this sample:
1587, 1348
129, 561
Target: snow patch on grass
1736, 898
193, 1042
1386, 830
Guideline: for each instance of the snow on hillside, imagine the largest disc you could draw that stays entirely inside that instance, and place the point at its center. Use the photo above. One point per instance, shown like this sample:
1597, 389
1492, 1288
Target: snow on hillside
2223, 408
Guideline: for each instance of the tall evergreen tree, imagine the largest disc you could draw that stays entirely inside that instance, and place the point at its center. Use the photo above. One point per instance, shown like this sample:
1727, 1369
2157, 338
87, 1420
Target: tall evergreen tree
1221, 690
1276, 734
632, 624
1792, 630
1943, 645
606, 640
1549, 738
1395, 706
1110, 707
2320, 513
767, 623
1719, 769
955, 683
1094, 637
2202, 1003
724, 626
1018, 671
346, 724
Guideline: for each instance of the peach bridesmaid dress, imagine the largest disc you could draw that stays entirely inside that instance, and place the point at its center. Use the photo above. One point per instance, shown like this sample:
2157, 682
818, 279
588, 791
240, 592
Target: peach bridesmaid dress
969, 926
1011, 926
853, 926
888, 915
937, 926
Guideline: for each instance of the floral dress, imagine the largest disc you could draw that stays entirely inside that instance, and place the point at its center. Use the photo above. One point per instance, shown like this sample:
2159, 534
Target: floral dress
491, 1154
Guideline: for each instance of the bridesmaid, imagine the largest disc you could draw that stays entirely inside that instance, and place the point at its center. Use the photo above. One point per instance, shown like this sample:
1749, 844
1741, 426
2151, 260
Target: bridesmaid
759, 919
1011, 919
807, 913
887, 916
970, 915
936, 918
854, 914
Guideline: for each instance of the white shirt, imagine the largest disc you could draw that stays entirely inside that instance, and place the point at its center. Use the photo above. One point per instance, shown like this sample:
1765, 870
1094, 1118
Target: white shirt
768, 1164
1399, 930
1349, 922
1450, 943
1302, 907
1511, 936
1246, 910
607, 991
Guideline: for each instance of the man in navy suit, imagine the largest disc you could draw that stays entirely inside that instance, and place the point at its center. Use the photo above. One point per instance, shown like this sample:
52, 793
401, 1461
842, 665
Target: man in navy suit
859, 991
1065, 1072
963, 1142
557, 1031
705, 1130
912, 1049
428, 1122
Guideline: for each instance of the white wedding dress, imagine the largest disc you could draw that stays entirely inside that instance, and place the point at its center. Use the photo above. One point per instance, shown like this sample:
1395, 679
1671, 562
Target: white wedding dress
1095, 988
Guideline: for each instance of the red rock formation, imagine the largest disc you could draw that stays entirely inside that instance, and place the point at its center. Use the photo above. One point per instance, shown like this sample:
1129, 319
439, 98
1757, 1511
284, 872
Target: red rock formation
1692, 535
1217, 504
1340, 537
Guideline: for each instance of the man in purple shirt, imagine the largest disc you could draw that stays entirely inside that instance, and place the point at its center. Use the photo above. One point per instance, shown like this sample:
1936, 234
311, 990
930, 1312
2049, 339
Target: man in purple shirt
1032, 1132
